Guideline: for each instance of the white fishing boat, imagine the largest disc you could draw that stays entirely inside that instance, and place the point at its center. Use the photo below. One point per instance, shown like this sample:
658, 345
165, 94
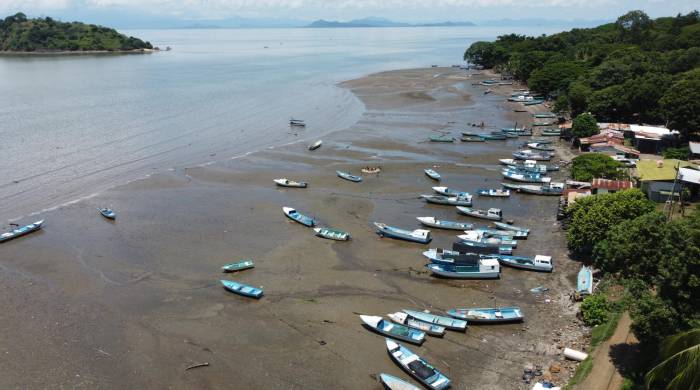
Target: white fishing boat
315, 145
284, 182
444, 224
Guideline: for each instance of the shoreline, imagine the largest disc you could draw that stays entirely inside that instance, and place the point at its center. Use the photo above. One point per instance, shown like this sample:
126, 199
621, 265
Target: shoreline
75, 52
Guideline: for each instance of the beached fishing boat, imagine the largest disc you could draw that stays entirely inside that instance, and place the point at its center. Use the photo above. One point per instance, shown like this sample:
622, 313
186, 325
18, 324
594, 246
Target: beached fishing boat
450, 192
518, 234
508, 161
542, 123
315, 145
482, 248
238, 266
441, 139
534, 102
108, 213
542, 141
507, 226
444, 224
447, 322
492, 214
298, 217
419, 235
493, 137
482, 238
21, 231
529, 168
487, 315
349, 177
450, 257
429, 329
284, 182
371, 170
493, 192
423, 372
242, 289
544, 115
448, 200
393, 383
584, 285
539, 146
530, 155
482, 269
466, 138
432, 174
550, 189
551, 133
513, 129
395, 331
538, 263
524, 177
511, 135
332, 234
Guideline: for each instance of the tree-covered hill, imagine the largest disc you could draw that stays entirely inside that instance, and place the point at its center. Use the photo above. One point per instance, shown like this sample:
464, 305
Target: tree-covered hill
19, 34
634, 70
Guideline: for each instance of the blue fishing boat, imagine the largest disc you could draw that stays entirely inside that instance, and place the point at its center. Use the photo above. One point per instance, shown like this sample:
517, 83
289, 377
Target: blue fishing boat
488, 315
423, 372
298, 217
349, 177
396, 331
238, 266
484, 248
394, 383
432, 174
451, 192
530, 155
419, 235
242, 289
448, 200
517, 234
507, 226
524, 177
481, 238
538, 263
493, 192
480, 269
584, 284
549, 189
444, 224
405, 319
21, 231
447, 322
450, 257
492, 214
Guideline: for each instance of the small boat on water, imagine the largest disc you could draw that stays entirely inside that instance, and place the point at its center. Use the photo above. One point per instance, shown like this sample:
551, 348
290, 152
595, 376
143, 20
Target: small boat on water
298, 217
584, 285
419, 235
450, 192
432, 174
444, 224
21, 231
315, 145
423, 372
332, 234
550, 189
530, 155
349, 177
448, 200
493, 192
469, 138
507, 226
238, 266
242, 289
492, 214
284, 182
393, 330
447, 322
442, 139
539, 146
429, 329
297, 122
393, 383
482, 269
524, 177
487, 315
108, 213
538, 263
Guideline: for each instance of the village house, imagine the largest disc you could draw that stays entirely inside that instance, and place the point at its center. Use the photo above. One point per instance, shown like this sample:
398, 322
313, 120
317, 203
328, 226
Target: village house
658, 179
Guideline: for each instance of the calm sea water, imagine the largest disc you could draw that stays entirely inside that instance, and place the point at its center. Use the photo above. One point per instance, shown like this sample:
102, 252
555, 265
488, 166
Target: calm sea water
72, 126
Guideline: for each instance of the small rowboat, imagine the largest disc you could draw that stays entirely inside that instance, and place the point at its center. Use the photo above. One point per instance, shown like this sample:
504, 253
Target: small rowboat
19, 232
432, 174
539, 263
544, 115
584, 284
450, 201
371, 170
538, 146
492, 214
242, 289
429, 329
108, 213
483, 269
450, 192
394, 383
468, 138
315, 145
443, 224
507, 226
441, 139
284, 182
447, 322
423, 372
297, 122
239, 266
493, 192
419, 235
395, 331
296, 216
349, 177
332, 234
477, 315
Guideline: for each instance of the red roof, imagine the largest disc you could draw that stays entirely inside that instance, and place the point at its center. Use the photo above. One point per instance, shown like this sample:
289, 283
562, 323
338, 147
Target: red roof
610, 136
611, 185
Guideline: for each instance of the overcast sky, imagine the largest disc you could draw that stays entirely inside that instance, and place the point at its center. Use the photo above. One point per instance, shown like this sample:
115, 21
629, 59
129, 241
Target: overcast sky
403, 10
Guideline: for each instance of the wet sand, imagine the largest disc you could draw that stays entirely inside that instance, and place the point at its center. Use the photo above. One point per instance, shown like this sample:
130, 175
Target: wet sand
90, 303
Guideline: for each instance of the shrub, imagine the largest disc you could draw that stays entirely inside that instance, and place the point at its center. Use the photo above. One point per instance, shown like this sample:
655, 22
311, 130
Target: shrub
595, 309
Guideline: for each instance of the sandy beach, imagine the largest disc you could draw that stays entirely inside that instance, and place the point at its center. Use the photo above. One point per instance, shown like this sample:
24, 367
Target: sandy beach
96, 304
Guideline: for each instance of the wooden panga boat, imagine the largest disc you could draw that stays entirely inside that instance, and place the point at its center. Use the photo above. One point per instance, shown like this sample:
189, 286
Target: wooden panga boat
530, 155
538, 146
481, 238
444, 224
517, 234
448, 200
507, 226
393, 330
108, 213
441, 139
405, 319
423, 372
471, 138
450, 257
482, 269
551, 189
432, 174
538, 263
584, 284
419, 235
238, 266
492, 214
524, 177
332, 234
21, 231
493, 192
487, 315
349, 177
447, 322
394, 383
284, 182
315, 145
483, 248
450, 192
242, 289
298, 217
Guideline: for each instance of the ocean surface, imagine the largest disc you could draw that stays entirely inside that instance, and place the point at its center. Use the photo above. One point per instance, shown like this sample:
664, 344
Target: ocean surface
73, 126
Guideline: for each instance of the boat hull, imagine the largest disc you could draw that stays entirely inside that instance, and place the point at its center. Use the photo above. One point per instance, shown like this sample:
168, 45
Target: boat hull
22, 231
242, 289
447, 322
445, 271
488, 315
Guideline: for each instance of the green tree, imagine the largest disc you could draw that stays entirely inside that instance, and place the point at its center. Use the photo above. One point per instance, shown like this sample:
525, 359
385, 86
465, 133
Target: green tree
579, 93
589, 166
634, 27
554, 77
680, 363
652, 318
681, 103
584, 125
677, 153
595, 309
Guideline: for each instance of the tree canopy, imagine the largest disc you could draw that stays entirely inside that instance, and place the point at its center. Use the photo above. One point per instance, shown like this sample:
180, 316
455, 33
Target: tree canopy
589, 166
584, 125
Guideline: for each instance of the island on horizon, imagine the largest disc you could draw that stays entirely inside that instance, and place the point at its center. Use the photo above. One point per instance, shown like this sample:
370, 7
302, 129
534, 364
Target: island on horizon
21, 35
380, 22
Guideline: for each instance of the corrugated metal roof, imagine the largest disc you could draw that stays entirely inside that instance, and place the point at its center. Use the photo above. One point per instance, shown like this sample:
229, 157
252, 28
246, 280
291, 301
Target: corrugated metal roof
695, 147
689, 175
611, 185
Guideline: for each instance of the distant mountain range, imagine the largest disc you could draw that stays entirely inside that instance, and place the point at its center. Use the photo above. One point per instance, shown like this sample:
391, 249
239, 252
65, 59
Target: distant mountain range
380, 22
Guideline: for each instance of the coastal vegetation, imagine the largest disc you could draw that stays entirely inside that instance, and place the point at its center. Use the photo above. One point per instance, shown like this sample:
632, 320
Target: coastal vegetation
635, 70
595, 309
584, 125
589, 166
20, 34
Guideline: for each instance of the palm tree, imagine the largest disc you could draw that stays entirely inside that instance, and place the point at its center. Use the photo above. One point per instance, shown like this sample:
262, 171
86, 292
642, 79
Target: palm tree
680, 368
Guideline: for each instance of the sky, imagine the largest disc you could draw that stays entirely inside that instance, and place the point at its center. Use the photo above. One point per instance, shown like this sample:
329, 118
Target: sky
398, 10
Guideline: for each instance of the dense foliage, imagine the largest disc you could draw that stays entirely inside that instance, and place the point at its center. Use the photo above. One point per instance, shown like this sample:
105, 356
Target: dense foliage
17, 33
589, 166
584, 125
634, 70
677, 153
680, 365
595, 309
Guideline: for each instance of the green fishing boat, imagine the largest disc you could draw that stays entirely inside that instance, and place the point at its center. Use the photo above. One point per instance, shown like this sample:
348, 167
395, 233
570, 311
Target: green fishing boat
551, 133
544, 115
332, 234
441, 139
472, 139
239, 266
